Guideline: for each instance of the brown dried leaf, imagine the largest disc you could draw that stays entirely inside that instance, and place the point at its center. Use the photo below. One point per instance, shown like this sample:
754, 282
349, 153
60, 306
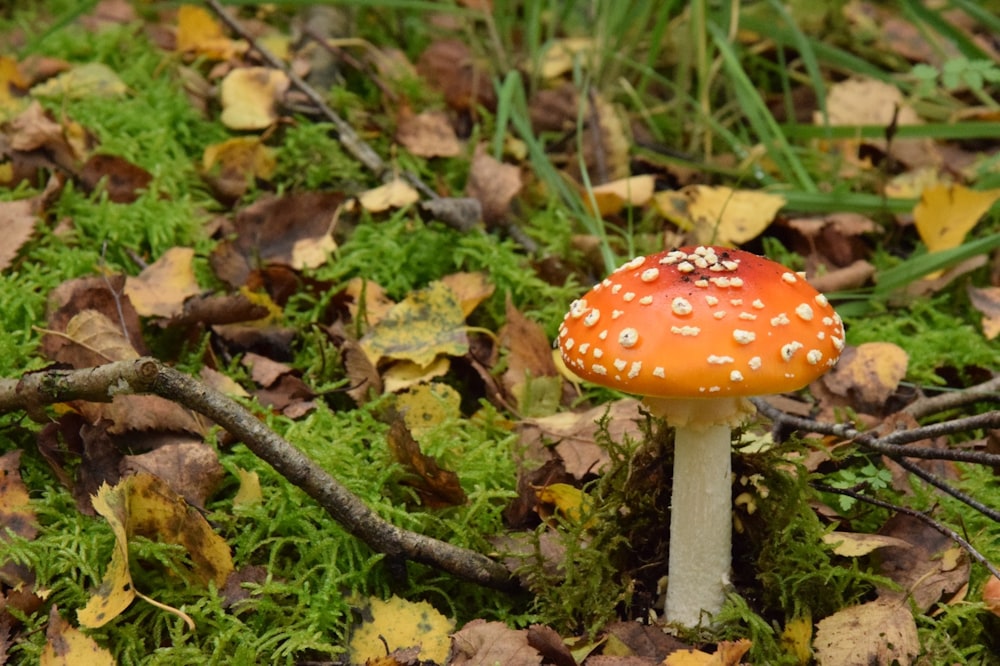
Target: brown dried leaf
481, 643
232, 166
529, 359
436, 487
868, 374
190, 467
122, 180
493, 183
932, 569
428, 134
19, 221
449, 66
878, 633
16, 513
987, 301
92, 335
162, 287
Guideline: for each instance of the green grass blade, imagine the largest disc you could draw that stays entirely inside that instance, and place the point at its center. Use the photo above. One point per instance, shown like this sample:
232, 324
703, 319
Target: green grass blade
918, 266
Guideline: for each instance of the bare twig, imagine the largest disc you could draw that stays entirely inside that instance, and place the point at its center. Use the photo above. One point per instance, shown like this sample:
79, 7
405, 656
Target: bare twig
989, 390
943, 529
947, 488
147, 375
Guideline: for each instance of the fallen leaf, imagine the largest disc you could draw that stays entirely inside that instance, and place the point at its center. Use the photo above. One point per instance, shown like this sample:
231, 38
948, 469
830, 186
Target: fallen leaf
249, 97
991, 595
116, 591
611, 198
199, 33
426, 406
878, 633
796, 639
403, 375
868, 374
232, 166
122, 180
162, 287
428, 134
987, 301
719, 215
16, 513
92, 331
947, 213
19, 221
727, 653
493, 183
427, 323
397, 623
571, 502
450, 66
529, 359
927, 571
856, 544
92, 79
480, 643
249, 492
470, 288
436, 486
188, 466
396, 193
65, 645
559, 58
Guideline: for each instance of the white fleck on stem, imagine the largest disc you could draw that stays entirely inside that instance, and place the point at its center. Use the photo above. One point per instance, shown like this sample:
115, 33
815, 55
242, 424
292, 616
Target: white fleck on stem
700, 524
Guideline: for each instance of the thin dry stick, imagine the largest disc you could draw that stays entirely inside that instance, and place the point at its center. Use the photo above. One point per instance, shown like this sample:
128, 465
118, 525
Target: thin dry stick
989, 390
147, 375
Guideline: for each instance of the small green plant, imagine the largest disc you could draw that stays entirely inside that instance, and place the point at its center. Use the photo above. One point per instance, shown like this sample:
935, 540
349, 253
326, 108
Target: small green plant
867, 478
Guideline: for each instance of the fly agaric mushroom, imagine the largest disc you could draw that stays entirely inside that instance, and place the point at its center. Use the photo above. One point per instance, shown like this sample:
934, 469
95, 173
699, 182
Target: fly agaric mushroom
695, 331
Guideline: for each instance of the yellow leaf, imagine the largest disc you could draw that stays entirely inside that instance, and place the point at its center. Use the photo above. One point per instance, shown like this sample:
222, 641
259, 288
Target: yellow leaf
987, 301
425, 324
878, 632
200, 33
558, 59
854, 544
233, 165
720, 215
403, 374
249, 493
470, 288
612, 197
570, 501
397, 624
248, 96
796, 639
92, 79
66, 645
161, 288
946, 213
156, 511
426, 406
143, 504
394, 194
115, 592
727, 653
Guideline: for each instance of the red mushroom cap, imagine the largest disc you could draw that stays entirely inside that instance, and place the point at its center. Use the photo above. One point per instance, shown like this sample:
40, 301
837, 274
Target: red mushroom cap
701, 322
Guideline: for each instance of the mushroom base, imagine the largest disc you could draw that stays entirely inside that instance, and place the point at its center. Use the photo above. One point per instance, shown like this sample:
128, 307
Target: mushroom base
701, 413
701, 524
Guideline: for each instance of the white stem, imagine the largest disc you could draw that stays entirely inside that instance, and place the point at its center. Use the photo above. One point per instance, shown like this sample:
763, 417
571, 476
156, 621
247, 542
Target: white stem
700, 523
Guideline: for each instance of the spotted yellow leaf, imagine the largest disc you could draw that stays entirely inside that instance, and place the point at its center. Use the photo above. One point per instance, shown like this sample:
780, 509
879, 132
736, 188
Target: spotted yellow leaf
947, 213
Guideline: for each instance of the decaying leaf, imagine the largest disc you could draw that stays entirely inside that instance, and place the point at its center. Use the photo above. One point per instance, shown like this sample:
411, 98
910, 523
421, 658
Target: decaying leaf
145, 505
188, 466
428, 134
571, 502
437, 487
868, 374
92, 79
471, 288
946, 213
249, 97
249, 493
232, 166
162, 287
611, 198
719, 215
727, 653
200, 33
531, 378
493, 183
396, 193
879, 633
65, 645
857, 544
426, 406
397, 624
403, 375
482, 642
427, 323
987, 301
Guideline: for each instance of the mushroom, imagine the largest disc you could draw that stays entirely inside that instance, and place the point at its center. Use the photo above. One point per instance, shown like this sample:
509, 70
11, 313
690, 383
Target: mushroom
695, 331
